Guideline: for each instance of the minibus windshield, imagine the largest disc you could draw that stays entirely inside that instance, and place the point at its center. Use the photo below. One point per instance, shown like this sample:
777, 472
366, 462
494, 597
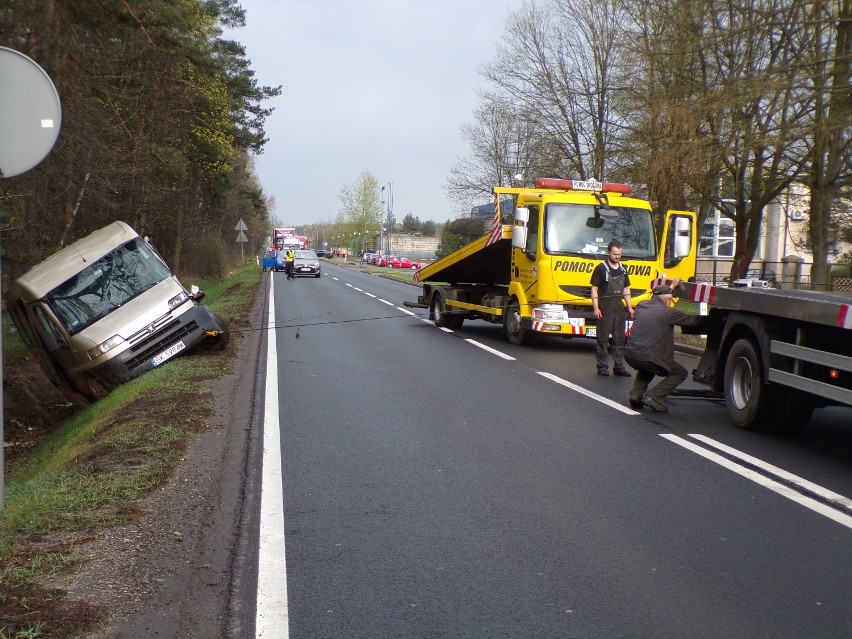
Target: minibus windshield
105, 285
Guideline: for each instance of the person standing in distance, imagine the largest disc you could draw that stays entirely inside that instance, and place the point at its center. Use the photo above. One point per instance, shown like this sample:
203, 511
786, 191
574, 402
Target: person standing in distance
650, 349
610, 283
289, 263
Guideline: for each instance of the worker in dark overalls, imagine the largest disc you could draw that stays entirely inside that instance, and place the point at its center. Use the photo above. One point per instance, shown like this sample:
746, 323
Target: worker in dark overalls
610, 284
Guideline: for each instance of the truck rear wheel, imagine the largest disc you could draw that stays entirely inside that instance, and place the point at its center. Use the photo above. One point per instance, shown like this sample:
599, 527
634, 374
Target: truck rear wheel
440, 316
439, 313
754, 405
515, 333
748, 399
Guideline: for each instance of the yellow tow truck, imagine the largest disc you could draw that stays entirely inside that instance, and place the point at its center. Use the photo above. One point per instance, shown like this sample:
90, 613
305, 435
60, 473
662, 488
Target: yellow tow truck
531, 273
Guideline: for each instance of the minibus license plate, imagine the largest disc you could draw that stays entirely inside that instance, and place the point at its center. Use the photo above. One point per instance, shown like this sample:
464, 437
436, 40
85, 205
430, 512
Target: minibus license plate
171, 351
592, 332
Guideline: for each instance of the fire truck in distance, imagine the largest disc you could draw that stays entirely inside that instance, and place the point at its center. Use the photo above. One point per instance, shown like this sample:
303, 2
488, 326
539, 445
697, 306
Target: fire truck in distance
532, 275
285, 237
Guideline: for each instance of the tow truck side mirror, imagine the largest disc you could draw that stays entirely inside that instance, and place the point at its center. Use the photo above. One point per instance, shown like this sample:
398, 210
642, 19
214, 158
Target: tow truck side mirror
519, 232
519, 237
682, 237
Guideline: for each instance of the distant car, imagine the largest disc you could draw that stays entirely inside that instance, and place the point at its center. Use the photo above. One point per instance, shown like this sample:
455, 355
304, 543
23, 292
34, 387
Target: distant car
755, 274
307, 263
403, 262
756, 279
374, 258
385, 260
321, 253
368, 257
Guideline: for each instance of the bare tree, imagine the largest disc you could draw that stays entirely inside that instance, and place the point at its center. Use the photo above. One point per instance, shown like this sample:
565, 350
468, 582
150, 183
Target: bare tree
502, 145
827, 51
555, 65
722, 108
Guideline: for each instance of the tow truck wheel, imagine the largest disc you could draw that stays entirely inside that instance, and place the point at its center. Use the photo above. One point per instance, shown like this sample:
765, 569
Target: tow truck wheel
437, 311
515, 333
748, 399
440, 316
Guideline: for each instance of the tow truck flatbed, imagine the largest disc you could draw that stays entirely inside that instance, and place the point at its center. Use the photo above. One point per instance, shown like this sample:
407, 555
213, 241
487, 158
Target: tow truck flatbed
477, 262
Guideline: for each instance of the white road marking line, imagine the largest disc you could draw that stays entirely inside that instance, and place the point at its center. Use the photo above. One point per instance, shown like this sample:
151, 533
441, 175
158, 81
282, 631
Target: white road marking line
384, 301
272, 615
493, 351
406, 311
828, 495
370, 294
766, 482
445, 329
358, 289
588, 393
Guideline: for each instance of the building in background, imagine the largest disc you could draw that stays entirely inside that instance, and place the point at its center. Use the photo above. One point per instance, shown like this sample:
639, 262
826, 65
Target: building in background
783, 253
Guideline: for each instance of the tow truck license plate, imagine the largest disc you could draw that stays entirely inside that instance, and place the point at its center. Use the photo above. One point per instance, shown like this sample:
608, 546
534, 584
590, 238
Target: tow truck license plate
171, 351
592, 332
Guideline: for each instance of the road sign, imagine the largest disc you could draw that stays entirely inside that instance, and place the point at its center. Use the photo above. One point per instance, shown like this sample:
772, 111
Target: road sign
30, 113
241, 226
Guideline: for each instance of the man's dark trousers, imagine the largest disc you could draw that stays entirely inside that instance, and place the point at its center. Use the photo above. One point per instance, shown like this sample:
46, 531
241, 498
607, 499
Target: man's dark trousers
611, 322
646, 371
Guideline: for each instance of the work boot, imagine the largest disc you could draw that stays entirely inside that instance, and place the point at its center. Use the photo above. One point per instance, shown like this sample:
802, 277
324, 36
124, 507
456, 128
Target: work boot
636, 402
620, 372
654, 404
603, 372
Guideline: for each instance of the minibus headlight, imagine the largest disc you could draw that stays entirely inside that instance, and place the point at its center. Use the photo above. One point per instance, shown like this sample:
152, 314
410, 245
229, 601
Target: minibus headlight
103, 347
177, 300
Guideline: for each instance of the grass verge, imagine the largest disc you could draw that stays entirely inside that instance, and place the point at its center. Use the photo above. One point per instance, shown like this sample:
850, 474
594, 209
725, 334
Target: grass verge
91, 472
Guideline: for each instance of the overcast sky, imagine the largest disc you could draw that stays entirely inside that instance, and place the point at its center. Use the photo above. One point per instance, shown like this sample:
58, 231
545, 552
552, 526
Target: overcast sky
376, 85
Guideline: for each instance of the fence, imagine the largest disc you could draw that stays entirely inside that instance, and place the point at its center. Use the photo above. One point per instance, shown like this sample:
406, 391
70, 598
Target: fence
790, 273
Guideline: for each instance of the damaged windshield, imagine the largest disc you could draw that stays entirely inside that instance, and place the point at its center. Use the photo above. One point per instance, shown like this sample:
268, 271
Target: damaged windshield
573, 229
102, 287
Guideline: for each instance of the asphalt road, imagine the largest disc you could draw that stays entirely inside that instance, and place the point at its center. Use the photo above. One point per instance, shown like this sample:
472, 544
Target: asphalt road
435, 486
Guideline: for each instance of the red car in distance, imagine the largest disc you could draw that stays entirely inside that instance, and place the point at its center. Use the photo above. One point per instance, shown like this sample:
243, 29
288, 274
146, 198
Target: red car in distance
403, 262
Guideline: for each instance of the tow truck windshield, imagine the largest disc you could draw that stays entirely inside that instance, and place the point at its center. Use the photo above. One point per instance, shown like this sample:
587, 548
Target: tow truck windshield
112, 281
574, 229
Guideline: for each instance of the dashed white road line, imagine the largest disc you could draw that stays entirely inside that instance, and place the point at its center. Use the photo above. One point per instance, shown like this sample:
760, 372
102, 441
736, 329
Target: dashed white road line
825, 494
763, 480
588, 393
493, 351
786, 490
